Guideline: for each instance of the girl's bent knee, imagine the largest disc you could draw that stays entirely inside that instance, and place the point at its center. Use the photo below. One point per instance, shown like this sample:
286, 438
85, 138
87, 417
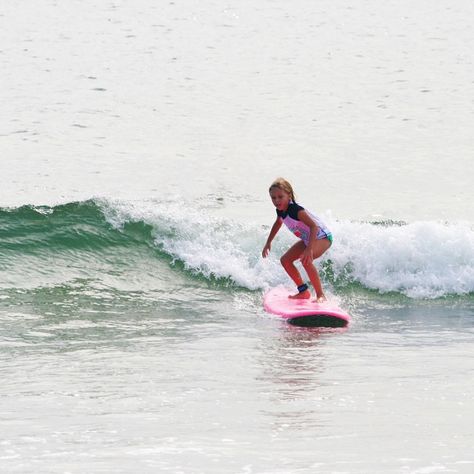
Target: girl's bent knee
286, 262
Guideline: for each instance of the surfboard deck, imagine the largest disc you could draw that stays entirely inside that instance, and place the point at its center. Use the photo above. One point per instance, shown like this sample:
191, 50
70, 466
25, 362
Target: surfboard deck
305, 312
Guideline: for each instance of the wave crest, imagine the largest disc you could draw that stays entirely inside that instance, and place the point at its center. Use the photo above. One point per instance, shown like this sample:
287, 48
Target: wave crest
420, 259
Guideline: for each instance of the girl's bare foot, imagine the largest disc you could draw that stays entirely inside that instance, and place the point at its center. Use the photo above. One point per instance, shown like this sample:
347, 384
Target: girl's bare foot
320, 299
304, 295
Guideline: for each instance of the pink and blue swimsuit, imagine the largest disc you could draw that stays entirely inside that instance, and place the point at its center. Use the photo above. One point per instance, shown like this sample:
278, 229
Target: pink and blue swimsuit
300, 229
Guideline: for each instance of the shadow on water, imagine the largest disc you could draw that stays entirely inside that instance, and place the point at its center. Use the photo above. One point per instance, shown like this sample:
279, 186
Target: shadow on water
319, 321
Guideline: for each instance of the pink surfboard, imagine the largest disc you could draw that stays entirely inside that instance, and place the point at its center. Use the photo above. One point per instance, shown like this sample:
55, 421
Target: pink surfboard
304, 312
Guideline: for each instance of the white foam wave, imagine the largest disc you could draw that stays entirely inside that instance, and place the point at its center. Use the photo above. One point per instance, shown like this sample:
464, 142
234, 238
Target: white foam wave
420, 260
211, 246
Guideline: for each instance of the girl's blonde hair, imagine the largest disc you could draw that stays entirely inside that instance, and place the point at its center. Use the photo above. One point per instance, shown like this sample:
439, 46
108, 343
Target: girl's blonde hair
284, 185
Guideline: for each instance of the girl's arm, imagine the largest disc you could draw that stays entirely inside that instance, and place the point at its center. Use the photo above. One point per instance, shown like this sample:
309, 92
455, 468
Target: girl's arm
307, 256
274, 230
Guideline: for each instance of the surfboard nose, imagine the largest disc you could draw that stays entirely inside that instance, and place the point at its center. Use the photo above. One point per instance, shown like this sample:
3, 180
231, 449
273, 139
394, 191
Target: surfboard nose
304, 312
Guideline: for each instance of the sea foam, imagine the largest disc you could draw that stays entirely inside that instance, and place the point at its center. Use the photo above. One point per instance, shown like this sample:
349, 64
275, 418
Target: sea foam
419, 260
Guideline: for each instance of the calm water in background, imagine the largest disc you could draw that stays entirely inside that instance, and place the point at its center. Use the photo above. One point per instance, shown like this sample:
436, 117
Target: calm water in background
142, 139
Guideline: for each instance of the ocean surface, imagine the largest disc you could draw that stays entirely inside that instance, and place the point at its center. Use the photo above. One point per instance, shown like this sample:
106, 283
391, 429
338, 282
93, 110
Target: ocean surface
137, 144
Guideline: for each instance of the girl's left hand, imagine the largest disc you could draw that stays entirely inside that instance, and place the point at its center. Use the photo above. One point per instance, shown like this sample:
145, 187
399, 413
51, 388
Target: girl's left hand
307, 257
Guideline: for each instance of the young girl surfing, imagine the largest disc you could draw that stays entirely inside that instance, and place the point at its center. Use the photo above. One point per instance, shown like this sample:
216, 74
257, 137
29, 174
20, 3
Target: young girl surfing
315, 237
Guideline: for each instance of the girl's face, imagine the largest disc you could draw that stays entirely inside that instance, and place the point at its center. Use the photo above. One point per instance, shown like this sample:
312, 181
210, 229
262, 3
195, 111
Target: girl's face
280, 198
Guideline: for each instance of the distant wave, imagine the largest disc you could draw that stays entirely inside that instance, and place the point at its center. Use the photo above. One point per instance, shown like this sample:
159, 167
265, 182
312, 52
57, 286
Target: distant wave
41, 246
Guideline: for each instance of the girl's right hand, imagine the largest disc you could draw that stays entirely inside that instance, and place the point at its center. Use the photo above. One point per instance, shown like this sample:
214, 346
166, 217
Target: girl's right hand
266, 250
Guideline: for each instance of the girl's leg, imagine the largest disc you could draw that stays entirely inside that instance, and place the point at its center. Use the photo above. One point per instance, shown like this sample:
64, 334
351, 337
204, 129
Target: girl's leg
287, 260
319, 247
